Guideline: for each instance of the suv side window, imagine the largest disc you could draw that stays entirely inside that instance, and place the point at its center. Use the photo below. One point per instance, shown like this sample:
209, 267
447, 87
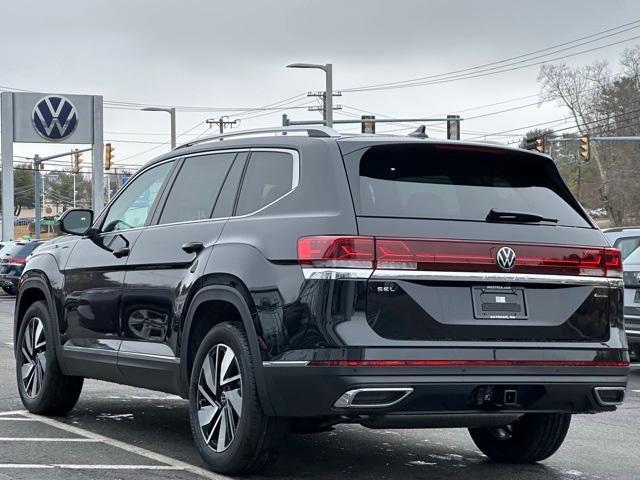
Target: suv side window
268, 177
132, 208
196, 188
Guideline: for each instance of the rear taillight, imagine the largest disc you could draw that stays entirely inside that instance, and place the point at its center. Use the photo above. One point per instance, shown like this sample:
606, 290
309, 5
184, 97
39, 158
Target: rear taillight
455, 255
336, 252
613, 262
16, 262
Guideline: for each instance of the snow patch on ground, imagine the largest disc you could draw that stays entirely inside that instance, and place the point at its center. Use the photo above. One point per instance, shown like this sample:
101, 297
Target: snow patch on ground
420, 463
115, 416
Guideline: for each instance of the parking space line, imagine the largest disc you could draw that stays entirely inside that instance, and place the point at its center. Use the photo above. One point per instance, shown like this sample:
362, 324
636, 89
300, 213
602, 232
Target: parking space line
13, 412
44, 466
33, 439
143, 452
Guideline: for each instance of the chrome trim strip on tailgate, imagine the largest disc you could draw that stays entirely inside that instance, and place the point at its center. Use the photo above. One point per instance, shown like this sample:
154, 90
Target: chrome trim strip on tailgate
337, 273
492, 277
496, 277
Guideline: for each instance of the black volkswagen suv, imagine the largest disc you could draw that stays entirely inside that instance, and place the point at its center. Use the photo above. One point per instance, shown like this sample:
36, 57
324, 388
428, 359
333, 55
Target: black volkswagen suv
296, 279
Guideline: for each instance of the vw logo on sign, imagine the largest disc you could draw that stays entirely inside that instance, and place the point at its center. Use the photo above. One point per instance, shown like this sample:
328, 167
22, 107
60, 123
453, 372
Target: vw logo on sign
54, 117
506, 258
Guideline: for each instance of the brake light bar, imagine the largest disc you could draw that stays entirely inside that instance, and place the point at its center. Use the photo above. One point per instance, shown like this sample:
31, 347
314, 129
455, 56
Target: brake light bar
455, 255
466, 363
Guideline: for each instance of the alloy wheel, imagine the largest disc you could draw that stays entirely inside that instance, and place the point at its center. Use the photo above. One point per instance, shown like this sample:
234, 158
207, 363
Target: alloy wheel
219, 400
34, 361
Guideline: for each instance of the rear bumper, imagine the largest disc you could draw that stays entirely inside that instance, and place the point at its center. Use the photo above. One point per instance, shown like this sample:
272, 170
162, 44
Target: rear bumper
299, 390
9, 280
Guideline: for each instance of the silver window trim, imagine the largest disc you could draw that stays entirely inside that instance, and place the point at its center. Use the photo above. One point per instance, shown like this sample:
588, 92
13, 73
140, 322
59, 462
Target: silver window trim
295, 178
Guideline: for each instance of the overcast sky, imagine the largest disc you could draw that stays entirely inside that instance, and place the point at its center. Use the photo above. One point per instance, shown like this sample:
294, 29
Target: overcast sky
233, 54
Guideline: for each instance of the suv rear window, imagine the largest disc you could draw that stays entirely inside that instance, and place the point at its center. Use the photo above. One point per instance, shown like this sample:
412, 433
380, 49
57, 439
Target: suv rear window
460, 183
22, 250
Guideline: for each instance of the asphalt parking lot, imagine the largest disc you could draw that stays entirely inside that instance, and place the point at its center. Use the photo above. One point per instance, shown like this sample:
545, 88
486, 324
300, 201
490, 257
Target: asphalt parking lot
118, 432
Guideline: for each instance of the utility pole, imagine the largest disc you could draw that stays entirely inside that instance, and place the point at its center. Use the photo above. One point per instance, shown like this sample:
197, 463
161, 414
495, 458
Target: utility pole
221, 122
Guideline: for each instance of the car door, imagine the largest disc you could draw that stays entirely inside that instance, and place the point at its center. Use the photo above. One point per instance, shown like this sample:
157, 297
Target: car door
164, 262
95, 272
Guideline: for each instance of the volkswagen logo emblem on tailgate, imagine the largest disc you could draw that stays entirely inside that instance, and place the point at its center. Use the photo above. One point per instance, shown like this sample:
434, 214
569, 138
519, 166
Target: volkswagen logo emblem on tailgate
506, 258
54, 117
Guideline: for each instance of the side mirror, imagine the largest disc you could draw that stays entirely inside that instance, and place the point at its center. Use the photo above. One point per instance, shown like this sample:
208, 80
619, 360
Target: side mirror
77, 221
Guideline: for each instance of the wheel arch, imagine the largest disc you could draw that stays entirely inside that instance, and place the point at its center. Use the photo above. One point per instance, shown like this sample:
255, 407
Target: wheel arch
32, 289
227, 295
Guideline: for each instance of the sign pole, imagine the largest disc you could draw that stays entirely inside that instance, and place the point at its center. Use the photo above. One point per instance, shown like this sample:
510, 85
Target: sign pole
6, 119
97, 157
37, 184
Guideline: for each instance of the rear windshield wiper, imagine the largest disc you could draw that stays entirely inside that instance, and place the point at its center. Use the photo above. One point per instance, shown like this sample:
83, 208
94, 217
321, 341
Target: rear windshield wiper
517, 217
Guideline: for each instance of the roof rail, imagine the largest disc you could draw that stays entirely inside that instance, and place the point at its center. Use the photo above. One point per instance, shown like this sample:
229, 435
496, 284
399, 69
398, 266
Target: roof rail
324, 132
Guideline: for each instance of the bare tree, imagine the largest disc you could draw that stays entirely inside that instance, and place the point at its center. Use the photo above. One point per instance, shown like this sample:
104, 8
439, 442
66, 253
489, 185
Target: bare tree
600, 104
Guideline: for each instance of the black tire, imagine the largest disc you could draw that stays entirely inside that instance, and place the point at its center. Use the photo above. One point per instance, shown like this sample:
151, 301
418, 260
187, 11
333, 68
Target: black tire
56, 393
531, 438
10, 290
257, 438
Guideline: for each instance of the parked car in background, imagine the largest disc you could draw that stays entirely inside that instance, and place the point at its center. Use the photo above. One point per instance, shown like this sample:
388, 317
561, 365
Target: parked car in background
632, 301
625, 239
24, 221
12, 264
5, 247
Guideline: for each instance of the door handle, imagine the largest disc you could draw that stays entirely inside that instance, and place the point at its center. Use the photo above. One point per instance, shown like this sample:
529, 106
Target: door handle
121, 252
192, 247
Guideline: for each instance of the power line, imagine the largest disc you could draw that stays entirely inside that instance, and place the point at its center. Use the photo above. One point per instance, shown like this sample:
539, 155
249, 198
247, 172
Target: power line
584, 124
455, 75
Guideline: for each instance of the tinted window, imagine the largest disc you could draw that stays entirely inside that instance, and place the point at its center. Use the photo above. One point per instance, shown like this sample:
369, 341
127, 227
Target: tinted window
627, 245
227, 197
268, 177
451, 182
633, 258
133, 206
22, 250
196, 188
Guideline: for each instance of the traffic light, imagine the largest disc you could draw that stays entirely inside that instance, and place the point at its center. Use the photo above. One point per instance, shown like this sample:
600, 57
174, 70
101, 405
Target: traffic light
585, 148
367, 126
536, 144
77, 160
108, 155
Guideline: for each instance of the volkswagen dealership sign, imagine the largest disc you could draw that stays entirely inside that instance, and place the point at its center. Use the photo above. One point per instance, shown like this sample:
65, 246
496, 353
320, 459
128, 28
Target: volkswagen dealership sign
54, 117
29, 117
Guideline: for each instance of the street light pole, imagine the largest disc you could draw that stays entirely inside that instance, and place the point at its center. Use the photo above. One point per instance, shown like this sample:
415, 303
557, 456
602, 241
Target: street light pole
328, 91
172, 112
328, 95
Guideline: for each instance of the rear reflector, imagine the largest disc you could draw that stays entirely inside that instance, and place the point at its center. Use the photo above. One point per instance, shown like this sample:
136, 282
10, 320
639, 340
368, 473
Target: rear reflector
465, 363
455, 255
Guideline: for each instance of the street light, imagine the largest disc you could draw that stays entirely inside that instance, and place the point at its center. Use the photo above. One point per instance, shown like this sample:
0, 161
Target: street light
172, 112
328, 90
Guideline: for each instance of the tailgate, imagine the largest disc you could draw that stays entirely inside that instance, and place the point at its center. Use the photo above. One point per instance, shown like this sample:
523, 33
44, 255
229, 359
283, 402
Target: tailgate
445, 270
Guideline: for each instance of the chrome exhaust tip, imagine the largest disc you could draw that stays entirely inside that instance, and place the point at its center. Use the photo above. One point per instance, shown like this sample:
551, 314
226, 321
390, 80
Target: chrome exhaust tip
609, 396
372, 397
